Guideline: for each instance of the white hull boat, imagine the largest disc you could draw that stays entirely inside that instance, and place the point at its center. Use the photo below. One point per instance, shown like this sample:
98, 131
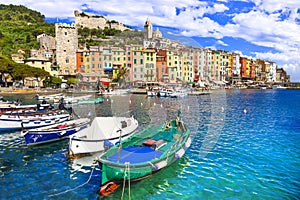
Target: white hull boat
20, 121
103, 133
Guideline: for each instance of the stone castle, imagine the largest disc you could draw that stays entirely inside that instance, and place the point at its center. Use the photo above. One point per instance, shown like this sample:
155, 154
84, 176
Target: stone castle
99, 22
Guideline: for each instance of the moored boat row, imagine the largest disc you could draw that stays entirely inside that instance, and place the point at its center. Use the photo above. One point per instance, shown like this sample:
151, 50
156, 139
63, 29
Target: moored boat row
146, 151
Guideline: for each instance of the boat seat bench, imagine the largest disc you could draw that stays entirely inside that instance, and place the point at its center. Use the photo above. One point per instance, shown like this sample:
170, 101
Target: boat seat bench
155, 144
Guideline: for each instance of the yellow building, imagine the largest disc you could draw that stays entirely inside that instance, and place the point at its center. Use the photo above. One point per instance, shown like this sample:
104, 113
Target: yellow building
149, 57
173, 65
118, 60
41, 63
184, 68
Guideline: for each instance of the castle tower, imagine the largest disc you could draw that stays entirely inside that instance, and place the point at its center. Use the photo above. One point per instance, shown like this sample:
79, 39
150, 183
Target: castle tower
66, 37
148, 30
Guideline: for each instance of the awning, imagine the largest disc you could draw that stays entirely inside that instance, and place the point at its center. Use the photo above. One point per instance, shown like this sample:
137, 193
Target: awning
105, 81
107, 69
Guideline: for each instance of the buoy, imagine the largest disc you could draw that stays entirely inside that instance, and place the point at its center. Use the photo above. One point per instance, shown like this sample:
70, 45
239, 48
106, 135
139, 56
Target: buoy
222, 109
245, 111
108, 188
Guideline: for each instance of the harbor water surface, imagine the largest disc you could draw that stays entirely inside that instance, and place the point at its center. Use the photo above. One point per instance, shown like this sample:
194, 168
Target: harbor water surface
245, 146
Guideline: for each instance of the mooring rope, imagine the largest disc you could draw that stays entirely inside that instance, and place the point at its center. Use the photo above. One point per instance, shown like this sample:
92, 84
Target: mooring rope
127, 170
51, 195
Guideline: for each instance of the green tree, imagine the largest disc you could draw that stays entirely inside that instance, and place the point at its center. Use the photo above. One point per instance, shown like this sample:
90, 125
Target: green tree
55, 80
72, 81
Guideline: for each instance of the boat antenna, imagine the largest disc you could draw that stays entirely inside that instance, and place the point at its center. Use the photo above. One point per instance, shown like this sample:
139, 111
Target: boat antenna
120, 144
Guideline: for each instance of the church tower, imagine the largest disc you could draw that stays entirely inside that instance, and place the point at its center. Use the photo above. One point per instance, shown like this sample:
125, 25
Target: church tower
148, 30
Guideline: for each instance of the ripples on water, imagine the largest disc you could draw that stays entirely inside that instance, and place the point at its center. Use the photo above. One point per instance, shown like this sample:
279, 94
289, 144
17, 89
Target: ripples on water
234, 154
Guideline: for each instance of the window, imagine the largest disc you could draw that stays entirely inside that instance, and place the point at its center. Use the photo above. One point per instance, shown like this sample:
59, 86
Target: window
134, 61
66, 33
141, 61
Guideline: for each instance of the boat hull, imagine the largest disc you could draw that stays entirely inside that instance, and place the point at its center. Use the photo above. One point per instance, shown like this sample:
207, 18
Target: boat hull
136, 158
55, 133
116, 173
82, 147
18, 121
107, 135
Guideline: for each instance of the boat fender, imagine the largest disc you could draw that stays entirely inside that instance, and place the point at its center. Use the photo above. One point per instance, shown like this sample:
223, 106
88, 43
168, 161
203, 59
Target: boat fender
108, 144
160, 165
108, 188
179, 153
188, 142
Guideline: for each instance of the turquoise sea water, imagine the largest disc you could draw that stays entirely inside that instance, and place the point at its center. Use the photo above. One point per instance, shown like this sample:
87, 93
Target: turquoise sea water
245, 146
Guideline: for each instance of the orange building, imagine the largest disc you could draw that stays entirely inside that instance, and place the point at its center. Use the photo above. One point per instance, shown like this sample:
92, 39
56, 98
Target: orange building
161, 66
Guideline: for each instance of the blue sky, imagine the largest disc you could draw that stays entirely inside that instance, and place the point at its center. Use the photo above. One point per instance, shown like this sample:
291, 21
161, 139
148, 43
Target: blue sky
265, 29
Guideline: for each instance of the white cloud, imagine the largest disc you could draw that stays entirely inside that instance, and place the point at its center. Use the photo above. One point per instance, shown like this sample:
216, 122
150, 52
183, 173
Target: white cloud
222, 43
271, 23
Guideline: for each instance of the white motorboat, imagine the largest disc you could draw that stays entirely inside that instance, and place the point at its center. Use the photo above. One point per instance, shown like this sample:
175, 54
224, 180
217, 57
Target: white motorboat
32, 119
103, 133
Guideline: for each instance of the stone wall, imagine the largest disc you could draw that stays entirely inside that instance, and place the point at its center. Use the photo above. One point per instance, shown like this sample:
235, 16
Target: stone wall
99, 22
47, 42
66, 47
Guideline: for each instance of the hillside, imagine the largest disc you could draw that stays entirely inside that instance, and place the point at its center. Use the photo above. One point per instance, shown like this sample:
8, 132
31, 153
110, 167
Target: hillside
19, 27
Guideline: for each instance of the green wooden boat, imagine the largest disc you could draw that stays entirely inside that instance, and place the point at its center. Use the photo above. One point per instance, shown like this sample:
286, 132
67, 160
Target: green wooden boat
143, 154
92, 100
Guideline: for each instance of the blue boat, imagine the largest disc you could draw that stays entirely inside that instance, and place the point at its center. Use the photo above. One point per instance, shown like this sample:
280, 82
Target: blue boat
54, 132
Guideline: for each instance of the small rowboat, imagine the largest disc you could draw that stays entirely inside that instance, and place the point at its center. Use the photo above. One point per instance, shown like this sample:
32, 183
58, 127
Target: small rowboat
54, 132
143, 154
33, 119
